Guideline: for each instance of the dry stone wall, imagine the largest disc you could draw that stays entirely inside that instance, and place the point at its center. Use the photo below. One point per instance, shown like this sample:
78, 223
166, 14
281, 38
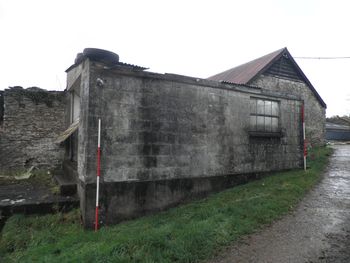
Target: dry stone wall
32, 119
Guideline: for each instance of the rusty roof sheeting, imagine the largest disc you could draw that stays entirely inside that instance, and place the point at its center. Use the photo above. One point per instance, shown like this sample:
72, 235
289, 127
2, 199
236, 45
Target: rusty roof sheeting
244, 73
247, 72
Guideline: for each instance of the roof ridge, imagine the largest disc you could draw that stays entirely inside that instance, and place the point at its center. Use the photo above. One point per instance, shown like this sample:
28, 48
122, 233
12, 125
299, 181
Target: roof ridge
247, 72
243, 73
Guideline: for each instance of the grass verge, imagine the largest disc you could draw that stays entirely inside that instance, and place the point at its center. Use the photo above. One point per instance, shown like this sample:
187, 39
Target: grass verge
189, 233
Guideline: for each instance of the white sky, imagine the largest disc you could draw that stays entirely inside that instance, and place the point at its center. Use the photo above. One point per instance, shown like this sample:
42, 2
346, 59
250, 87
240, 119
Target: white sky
199, 38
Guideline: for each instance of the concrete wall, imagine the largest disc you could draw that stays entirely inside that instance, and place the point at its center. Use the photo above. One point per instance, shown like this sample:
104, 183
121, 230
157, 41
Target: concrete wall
33, 118
315, 117
166, 138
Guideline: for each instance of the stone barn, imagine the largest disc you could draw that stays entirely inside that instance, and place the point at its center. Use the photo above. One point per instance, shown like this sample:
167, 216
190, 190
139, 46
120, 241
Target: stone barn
278, 72
167, 138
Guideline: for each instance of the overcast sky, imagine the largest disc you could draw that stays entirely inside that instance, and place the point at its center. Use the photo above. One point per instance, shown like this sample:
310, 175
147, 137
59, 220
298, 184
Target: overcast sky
40, 39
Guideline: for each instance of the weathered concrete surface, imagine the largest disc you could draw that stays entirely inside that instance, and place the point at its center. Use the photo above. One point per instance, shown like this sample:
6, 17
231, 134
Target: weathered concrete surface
159, 127
318, 231
125, 200
32, 120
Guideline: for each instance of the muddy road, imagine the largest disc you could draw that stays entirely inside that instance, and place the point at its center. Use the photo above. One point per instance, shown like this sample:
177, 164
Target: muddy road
317, 231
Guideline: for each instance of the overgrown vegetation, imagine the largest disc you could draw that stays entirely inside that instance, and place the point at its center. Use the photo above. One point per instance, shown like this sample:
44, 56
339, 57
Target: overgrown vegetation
36, 177
189, 233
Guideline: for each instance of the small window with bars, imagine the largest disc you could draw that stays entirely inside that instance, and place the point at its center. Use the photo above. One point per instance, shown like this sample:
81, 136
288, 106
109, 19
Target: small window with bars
264, 115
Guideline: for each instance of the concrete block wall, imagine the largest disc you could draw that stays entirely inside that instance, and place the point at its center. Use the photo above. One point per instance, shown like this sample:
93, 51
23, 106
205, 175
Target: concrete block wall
315, 114
160, 129
32, 120
169, 137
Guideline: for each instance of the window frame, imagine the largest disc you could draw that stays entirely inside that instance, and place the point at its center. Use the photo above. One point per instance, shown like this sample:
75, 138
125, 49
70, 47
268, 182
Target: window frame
263, 112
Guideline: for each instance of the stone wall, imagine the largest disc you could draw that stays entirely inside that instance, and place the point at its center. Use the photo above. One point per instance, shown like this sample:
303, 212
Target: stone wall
315, 117
166, 138
33, 118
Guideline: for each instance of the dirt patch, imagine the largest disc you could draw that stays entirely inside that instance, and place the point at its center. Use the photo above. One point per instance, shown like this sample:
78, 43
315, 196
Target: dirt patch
317, 231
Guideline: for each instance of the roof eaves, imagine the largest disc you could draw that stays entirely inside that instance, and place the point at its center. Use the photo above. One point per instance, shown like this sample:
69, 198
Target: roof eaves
273, 60
122, 64
240, 84
114, 65
278, 56
307, 80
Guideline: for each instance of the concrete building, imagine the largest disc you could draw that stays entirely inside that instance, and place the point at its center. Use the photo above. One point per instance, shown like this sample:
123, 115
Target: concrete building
168, 138
278, 72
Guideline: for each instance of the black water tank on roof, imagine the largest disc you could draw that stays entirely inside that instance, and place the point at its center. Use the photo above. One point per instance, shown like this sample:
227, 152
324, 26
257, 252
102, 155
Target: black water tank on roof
101, 55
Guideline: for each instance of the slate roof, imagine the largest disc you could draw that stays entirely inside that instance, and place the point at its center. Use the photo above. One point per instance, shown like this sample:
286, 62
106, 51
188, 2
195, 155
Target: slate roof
246, 73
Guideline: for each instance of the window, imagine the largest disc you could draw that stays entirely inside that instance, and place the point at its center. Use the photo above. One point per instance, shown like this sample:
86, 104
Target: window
74, 106
264, 115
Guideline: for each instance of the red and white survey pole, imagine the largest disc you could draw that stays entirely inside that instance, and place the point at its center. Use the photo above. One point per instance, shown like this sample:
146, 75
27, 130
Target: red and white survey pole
304, 139
98, 172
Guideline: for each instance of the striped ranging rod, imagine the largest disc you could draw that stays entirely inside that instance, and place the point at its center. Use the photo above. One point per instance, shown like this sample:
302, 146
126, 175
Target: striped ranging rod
304, 139
98, 173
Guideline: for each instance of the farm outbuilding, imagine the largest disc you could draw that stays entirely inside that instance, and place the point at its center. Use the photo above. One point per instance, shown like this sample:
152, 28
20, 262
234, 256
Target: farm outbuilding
279, 72
167, 138
337, 132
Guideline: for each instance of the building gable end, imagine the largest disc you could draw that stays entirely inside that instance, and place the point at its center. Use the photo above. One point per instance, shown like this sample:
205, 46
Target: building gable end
284, 68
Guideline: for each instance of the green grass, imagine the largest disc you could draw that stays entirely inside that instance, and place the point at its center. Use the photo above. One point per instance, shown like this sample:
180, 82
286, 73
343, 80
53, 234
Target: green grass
189, 233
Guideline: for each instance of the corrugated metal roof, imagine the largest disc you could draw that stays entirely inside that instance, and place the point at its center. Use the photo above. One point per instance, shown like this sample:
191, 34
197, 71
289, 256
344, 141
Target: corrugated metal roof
247, 72
126, 65
115, 65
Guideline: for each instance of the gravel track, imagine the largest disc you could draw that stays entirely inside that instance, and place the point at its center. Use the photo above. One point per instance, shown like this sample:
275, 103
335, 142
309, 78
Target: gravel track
317, 231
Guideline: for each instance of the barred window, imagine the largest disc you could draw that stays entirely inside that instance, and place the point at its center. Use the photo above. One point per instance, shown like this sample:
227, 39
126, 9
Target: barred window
264, 115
